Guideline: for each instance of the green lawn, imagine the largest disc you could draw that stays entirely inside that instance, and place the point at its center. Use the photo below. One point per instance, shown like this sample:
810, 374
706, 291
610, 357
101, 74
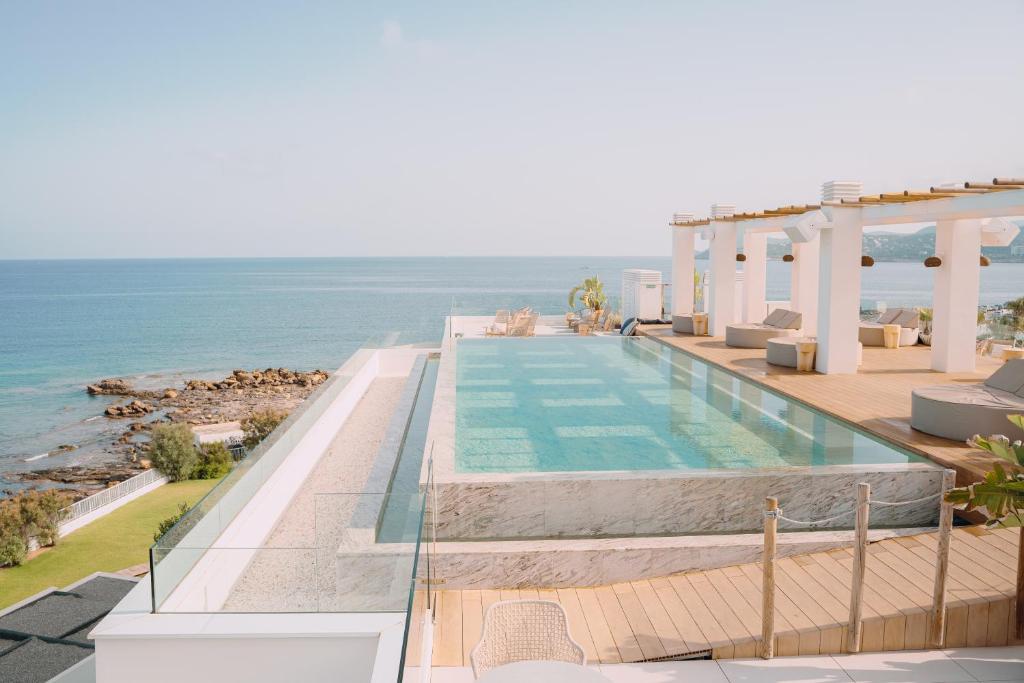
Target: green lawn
118, 540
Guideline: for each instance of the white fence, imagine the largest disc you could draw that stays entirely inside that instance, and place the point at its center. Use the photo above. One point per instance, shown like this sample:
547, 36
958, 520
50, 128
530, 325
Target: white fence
106, 497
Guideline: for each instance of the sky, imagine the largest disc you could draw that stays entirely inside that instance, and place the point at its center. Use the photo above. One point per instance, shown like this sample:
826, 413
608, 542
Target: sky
172, 129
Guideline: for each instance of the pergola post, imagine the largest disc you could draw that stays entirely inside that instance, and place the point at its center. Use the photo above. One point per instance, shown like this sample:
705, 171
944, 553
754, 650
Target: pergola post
722, 297
839, 293
803, 287
755, 272
682, 267
955, 295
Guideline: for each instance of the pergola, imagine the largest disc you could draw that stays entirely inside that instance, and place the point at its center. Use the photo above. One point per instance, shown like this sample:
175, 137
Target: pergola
827, 251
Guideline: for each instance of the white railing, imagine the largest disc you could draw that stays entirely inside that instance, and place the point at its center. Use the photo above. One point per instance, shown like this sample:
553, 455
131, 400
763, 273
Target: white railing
109, 495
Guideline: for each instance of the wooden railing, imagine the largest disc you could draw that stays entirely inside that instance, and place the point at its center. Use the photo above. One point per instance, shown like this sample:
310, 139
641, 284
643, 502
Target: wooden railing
772, 515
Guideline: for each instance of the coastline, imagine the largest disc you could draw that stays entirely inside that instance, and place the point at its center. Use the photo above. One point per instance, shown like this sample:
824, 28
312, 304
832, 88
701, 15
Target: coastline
118, 451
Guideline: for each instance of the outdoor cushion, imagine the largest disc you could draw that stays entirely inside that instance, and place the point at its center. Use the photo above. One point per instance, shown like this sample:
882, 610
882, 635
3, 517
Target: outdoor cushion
753, 335
887, 317
1009, 378
776, 317
682, 324
871, 334
792, 321
959, 412
907, 318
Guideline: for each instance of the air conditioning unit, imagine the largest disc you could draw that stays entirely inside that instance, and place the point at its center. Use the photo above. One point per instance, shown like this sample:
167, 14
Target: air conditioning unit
641, 294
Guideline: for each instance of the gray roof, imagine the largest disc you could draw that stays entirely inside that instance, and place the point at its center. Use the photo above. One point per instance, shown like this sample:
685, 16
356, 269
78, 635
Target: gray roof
49, 634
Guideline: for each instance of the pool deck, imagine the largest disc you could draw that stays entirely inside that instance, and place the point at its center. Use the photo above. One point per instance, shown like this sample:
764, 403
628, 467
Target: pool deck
876, 399
718, 612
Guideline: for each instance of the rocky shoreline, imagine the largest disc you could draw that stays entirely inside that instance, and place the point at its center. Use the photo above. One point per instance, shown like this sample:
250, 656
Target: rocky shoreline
196, 402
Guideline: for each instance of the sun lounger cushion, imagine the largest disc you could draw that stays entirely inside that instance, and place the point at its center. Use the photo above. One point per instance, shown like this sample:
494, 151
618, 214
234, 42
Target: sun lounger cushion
872, 334
959, 412
776, 317
1009, 378
792, 321
907, 318
887, 317
753, 335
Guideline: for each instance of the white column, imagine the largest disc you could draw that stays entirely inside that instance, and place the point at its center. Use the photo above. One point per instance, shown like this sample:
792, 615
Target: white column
682, 271
803, 288
755, 273
839, 293
955, 296
722, 297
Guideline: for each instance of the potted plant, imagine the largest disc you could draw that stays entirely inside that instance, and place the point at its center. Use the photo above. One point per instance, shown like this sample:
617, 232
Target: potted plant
1000, 497
591, 295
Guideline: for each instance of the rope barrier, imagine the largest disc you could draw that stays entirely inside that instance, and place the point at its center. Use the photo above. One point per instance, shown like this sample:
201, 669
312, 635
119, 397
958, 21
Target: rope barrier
906, 502
817, 521
778, 513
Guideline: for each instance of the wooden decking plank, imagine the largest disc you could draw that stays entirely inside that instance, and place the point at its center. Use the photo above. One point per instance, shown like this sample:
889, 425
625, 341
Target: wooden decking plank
604, 641
808, 633
714, 634
472, 622
625, 639
639, 621
448, 629
662, 623
787, 640
681, 618
748, 617
578, 628
1001, 553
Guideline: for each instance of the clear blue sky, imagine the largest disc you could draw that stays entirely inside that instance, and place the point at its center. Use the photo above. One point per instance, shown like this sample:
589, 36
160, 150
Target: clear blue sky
326, 129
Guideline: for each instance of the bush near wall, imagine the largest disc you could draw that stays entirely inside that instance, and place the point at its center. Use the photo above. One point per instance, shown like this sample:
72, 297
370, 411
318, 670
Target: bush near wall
29, 515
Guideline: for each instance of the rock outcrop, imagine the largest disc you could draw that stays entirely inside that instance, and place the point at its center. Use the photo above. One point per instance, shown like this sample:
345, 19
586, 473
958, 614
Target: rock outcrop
111, 387
136, 408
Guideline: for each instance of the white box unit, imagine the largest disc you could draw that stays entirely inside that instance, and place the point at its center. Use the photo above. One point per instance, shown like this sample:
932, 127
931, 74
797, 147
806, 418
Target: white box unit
641, 294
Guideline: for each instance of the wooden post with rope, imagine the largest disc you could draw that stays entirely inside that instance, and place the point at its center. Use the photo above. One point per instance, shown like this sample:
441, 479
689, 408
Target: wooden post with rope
937, 635
771, 525
860, 557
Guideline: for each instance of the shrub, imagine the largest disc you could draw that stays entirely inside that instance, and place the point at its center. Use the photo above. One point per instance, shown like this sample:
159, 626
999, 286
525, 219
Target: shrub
33, 514
166, 524
172, 451
259, 425
214, 461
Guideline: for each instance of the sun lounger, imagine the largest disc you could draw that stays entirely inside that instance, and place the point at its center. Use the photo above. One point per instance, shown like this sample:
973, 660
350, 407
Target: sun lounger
909, 320
500, 325
779, 323
959, 411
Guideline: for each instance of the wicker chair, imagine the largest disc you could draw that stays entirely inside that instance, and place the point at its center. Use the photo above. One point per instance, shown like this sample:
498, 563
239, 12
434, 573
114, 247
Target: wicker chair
518, 630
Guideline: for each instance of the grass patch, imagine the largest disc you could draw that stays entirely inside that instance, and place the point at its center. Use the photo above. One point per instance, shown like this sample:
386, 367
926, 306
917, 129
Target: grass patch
120, 539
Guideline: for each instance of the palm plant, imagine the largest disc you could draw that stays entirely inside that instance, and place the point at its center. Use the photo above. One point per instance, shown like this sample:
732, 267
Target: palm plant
591, 292
1000, 497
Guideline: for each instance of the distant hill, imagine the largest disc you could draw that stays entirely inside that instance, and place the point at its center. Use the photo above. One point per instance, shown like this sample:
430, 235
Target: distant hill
891, 246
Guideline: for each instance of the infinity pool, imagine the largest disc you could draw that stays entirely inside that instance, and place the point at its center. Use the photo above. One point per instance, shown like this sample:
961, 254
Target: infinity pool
630, 403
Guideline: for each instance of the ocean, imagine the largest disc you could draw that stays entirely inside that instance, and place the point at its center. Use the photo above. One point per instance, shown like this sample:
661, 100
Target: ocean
64, 324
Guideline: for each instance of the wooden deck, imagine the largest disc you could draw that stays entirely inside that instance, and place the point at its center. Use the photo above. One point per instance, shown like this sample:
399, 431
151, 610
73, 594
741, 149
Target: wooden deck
719, 611
876, 399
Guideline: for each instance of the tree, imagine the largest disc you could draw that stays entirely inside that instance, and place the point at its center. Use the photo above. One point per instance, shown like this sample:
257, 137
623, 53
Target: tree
173, 451
260, 424
27, 516
1000, 496
591, 292
214, 461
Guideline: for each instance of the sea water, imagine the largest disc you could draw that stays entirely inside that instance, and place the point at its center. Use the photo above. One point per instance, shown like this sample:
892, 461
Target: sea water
64, 324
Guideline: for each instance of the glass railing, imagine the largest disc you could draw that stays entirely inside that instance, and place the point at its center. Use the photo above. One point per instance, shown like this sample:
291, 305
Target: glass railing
323, 556
204, 523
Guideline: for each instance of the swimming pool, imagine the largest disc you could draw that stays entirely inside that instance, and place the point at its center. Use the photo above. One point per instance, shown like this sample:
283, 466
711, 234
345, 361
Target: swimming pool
632, 404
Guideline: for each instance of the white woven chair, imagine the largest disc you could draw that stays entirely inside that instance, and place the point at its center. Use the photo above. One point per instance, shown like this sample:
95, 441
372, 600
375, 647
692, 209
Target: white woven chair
518, 630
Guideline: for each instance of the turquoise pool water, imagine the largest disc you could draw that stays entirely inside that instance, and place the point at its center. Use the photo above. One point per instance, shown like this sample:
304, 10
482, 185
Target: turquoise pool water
630, 403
